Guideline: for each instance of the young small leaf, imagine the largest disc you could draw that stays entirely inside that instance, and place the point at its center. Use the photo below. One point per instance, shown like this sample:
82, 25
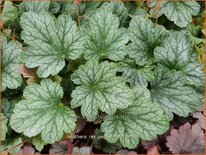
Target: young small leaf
38, 142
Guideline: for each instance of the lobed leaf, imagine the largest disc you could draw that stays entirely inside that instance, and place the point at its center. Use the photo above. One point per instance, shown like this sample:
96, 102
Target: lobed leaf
143, 119
145, 36
180, 12
104, 38
99, 89
169, 90
11, 78
41, 112
50, 41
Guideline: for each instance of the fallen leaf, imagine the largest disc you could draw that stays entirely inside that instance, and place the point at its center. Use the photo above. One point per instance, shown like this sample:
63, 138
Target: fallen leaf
187, 140
28, 73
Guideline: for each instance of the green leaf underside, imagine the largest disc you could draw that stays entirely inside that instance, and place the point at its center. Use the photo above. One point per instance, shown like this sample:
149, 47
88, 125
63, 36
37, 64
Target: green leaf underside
174, 52
50, 41
42, 113
143, 119
99, 89
136, 75
169, 90
35, 6
11, 78
104, 38
145, 36
180, 12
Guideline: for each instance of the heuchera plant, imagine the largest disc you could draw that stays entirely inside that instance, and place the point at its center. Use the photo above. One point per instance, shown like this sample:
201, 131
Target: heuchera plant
135, 64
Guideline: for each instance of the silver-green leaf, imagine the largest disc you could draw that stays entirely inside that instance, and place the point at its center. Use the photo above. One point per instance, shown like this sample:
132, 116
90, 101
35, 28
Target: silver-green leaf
174, 51
35, 6
169, 90
50, 41
145, 36
104, 38
38, 142
143, 119
136, 76
4, 127
41, 112
11, 50
99, 89
195, 74
180, 12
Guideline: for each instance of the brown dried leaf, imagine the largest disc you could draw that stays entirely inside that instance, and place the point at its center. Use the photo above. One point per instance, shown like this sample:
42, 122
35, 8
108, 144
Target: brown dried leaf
26, 72
153, 150
80, 125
